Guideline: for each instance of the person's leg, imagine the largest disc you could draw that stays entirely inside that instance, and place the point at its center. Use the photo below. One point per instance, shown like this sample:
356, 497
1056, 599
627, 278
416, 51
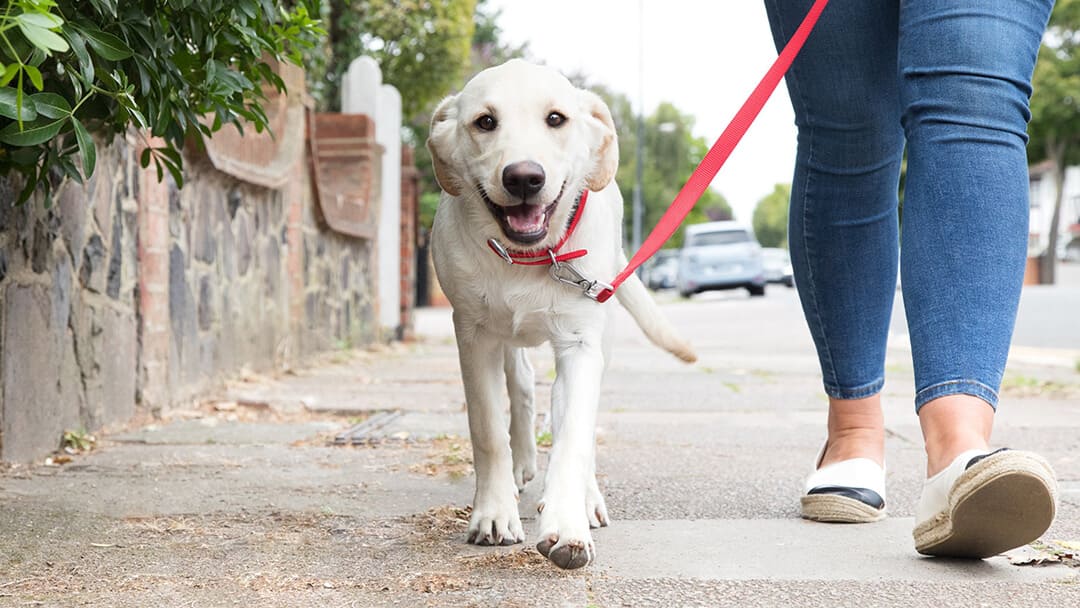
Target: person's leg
965, 72
843, 217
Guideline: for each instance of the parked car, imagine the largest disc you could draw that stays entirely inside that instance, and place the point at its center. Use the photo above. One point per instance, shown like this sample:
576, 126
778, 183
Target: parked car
720, 255
662, 270
777, 266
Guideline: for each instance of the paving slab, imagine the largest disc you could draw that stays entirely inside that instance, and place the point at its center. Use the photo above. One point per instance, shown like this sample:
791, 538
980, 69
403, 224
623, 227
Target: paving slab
246, 500
792, 549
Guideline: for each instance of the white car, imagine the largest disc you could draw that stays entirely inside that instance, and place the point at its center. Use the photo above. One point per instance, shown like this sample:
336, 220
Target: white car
777, 266
720, 255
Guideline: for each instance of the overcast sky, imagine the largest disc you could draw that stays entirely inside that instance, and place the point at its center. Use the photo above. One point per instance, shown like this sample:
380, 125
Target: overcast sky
705, 57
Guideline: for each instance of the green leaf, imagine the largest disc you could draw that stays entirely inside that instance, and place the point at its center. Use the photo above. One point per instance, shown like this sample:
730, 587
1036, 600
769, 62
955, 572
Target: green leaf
32, 135
43, 20
50, 105
86, 147
9, 105
9, 74
78, 45
144, 158
35, 76
105, 44
42, 38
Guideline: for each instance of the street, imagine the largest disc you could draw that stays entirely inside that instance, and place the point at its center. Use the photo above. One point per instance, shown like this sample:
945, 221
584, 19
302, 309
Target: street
245, 499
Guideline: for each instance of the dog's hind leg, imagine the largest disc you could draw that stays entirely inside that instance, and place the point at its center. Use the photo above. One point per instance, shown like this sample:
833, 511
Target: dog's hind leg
521, 385
494, 519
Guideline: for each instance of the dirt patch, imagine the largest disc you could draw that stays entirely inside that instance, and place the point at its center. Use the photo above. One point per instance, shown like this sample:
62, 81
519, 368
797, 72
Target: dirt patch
441, 521
447, 456
524, 558
438, 583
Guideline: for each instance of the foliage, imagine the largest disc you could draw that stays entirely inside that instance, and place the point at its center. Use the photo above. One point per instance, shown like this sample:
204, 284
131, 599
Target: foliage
177, 69
771, 217
1055, 109
488, 49
422, 47
671, 153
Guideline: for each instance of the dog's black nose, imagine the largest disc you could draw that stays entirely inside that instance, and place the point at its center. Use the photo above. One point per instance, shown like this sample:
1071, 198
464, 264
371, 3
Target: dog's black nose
523, 179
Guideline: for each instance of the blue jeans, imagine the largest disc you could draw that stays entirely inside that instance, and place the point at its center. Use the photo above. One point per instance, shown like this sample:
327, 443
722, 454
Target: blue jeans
951, 80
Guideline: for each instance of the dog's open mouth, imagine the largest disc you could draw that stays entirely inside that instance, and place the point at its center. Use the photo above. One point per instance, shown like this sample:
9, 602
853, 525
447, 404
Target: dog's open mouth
525, 223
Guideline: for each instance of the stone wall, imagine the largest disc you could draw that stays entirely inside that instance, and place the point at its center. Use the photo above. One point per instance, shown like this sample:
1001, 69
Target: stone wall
131, 296
230, 287
68, 321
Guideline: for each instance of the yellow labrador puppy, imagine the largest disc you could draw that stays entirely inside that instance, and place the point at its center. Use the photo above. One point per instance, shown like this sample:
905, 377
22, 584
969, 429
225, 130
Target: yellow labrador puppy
523, 158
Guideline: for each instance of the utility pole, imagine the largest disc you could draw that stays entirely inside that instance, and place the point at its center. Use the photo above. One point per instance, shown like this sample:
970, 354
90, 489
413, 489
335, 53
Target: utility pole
638, 204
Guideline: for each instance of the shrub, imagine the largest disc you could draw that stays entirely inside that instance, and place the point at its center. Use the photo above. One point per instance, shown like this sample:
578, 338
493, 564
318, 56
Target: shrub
174, 69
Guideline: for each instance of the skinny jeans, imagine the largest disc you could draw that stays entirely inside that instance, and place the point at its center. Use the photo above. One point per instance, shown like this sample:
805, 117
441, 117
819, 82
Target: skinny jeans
949, 80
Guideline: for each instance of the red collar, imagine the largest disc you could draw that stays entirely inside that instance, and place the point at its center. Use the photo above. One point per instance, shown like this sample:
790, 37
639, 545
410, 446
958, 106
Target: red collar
547, 256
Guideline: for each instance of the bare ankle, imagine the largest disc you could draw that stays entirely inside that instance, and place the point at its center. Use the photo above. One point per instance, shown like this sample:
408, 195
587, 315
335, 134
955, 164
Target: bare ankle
952, 425
856, 430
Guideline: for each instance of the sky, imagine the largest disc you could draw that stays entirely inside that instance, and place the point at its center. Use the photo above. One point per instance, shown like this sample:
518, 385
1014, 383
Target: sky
704, 57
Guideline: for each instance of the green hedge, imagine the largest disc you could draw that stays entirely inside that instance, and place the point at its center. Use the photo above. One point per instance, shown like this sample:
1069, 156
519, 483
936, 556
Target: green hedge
174, 69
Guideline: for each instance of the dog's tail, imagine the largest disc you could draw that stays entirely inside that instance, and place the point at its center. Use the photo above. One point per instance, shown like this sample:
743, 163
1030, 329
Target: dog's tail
637, 300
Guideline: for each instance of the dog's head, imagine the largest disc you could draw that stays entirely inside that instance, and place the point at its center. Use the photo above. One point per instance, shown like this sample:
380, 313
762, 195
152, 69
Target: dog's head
521, 142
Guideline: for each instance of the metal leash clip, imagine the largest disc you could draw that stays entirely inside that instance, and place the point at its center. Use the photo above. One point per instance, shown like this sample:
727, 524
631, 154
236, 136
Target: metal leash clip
498, 248
564, 272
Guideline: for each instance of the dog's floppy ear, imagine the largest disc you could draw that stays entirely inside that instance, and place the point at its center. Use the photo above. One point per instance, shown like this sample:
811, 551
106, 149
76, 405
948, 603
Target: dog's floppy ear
606, 154
439, 143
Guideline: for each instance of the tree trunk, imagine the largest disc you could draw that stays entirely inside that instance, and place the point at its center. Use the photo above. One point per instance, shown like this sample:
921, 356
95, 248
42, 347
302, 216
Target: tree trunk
1048, 263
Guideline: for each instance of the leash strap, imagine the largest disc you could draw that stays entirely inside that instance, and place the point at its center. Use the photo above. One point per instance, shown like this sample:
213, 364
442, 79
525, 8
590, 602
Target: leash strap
718, 154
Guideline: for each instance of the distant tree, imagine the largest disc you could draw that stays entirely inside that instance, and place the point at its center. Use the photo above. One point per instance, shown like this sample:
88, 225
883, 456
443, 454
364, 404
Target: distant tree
422, 46
771, 216
1055, 110
671, 153
487, 49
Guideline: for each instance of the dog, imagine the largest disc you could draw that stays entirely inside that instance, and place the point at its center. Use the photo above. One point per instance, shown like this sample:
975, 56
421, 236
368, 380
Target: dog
523, 156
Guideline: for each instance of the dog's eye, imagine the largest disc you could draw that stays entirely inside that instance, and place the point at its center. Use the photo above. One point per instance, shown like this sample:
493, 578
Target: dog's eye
555, 119
486, 122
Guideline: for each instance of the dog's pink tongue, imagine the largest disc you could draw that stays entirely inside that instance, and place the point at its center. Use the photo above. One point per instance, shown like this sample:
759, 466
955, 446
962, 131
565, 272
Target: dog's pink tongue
525, 218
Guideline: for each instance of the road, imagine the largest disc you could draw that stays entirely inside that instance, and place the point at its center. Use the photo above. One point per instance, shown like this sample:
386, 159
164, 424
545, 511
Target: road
245, 500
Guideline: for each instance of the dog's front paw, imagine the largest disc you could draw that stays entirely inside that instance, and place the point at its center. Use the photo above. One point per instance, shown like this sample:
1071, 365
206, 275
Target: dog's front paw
495, 521
565, 537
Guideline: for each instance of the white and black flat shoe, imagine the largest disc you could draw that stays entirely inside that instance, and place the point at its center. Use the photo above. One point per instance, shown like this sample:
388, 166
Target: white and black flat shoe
850, 491
985, 503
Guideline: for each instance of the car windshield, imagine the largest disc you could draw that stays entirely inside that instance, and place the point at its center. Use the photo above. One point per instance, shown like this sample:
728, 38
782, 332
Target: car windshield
726, 237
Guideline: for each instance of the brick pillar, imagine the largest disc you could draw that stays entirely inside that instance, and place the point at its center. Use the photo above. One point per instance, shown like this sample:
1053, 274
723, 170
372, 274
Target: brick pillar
153, 272
295, 198
410, 195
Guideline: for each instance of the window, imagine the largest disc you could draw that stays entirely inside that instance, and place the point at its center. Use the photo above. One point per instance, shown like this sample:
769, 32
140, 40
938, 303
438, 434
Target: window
727, 237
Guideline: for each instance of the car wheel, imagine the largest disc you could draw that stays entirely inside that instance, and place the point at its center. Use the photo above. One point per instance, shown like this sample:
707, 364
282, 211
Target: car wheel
789, 282
756, 290
685, 294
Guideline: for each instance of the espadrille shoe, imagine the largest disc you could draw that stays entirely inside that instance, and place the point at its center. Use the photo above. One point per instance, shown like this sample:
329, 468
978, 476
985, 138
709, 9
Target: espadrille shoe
849, 491
984, 503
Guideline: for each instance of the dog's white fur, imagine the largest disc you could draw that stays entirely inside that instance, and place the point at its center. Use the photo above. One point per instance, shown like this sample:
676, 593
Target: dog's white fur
501, 309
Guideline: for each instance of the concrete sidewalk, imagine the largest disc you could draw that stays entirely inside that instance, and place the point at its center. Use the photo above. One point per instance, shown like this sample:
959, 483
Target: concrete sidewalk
245, 499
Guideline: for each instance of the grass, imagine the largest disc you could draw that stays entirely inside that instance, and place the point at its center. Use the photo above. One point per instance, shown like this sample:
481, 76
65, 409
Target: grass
77, 441
544, 439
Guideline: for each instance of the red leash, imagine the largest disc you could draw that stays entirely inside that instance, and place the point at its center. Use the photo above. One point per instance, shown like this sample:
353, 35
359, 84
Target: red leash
718, 154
